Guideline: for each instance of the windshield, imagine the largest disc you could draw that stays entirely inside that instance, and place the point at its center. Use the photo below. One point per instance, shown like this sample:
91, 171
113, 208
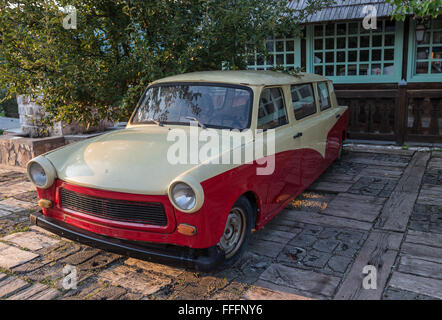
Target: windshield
214, 106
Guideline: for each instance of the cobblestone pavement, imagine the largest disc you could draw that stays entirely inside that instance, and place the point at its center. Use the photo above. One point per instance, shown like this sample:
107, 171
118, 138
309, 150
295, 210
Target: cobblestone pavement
375, 207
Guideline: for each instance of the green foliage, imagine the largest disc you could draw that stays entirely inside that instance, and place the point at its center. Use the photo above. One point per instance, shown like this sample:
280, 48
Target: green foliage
8, 106
99, 70
418, 8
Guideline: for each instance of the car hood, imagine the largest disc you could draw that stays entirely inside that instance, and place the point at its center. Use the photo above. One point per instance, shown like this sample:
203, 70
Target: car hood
133, 160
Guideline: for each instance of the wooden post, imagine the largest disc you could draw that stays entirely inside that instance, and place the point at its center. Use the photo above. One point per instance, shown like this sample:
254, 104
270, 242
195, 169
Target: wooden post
401, 105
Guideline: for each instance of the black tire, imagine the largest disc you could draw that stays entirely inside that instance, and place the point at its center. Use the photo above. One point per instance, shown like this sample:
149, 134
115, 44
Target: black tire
243, 208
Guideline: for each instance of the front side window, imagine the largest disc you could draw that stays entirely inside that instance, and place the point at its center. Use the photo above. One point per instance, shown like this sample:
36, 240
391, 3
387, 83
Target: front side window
271, 113
303, 99
215, 106
324, 96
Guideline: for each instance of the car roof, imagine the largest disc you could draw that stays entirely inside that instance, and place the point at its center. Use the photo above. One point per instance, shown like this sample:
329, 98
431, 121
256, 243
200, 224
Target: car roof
249, 77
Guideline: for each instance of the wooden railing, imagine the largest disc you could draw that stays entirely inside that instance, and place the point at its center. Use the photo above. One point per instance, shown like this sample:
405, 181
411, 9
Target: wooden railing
396, 114
424, 121
372, 113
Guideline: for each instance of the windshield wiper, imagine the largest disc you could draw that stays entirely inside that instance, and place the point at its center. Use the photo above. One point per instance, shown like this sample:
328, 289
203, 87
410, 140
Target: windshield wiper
156, 122
199, 122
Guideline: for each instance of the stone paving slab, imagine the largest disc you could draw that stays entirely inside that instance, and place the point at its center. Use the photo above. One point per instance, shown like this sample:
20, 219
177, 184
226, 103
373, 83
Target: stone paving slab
37, 291
373, 186
108, 293
379, 159
41, 230
15, 205
11, 256
422, 251
435, 163
323, 219
398, 208
358, 207
380, 251
429, 286
378, 149
305, 281
329, 250
233, 291
8, 191
383, 172
260, 293
278, 236
426, 218
426, 238
143, 283
4, 213
327, 186
430, 195
31, 240
420, 267
266, 248
11, 285
398, 294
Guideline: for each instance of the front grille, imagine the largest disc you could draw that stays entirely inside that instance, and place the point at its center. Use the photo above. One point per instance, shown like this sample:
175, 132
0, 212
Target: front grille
120, 210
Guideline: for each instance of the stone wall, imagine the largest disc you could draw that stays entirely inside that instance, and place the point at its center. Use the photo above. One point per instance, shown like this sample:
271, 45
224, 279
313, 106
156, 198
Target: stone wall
31, 113
17, 151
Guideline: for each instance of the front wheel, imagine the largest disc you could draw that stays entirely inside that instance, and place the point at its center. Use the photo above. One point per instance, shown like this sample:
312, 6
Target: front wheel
237, 231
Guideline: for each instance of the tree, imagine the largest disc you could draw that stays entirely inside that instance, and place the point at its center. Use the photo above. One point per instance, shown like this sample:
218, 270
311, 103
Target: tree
100, 69
418, 8
8, 107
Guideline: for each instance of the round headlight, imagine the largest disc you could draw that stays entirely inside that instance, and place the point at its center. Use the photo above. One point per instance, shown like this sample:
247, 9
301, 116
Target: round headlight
183, 196
38, 174
41, 172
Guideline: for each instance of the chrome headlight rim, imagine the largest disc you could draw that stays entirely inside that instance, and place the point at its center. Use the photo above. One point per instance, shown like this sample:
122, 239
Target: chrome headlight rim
197, 191
48, 169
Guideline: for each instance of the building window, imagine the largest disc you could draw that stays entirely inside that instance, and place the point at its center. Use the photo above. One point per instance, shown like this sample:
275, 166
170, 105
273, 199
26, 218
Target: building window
271, 113
303, 100
347, 51
429, 51
283, 52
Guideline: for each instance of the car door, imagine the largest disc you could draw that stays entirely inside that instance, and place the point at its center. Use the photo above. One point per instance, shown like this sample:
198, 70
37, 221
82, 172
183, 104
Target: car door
329, 115
273, 115
307, 138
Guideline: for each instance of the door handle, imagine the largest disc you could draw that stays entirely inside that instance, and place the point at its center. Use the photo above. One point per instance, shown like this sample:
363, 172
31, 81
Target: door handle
298, 135
337, 116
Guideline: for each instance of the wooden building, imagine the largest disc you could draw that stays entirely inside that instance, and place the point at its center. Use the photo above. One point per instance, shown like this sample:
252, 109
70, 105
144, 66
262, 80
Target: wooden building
390, 77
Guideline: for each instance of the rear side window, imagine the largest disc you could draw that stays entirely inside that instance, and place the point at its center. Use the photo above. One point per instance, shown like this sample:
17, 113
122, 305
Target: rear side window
303, 99
324, 96
272, 111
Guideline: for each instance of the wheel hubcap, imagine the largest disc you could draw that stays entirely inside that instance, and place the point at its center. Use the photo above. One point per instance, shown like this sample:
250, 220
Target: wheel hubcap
234, 232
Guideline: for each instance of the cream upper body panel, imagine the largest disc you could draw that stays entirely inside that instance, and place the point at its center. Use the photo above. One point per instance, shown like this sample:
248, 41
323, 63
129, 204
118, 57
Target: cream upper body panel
249, 77
130, 160
134, 160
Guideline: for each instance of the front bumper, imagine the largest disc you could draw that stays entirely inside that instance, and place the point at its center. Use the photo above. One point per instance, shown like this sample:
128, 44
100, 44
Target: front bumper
199, 259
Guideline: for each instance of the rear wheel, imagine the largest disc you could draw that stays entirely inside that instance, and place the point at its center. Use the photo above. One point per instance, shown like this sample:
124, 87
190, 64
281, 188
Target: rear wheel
237, 231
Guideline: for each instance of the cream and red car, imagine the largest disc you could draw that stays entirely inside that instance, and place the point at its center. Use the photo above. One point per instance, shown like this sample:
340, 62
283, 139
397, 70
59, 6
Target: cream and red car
118, 191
